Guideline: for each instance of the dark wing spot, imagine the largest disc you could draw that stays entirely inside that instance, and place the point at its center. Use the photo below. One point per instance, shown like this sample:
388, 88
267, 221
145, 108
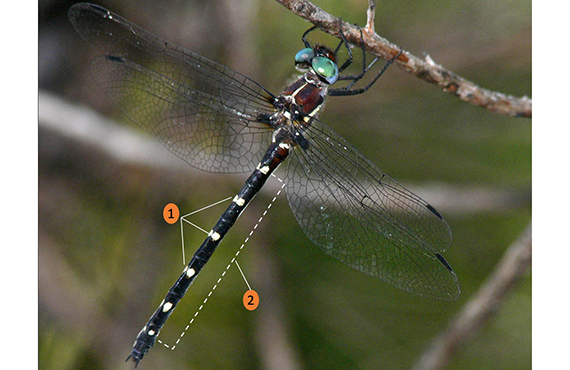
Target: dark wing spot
434, 211
114, 58
443, 262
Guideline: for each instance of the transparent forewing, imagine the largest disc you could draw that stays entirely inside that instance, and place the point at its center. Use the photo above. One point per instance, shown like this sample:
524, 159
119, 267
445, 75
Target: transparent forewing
202, 111
357, 214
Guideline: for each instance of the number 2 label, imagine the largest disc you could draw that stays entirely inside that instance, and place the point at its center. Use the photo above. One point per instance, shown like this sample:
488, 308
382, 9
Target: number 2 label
250, 300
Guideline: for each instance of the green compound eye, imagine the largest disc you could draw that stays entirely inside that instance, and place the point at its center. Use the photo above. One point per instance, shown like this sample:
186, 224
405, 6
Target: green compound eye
325, 68
304, 55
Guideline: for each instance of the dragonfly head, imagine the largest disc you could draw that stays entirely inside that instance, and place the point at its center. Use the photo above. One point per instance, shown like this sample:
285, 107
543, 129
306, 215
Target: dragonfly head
321, 60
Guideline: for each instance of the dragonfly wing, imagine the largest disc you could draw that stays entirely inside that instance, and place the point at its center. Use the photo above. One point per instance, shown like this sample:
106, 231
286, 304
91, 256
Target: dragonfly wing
203, 112
357, 214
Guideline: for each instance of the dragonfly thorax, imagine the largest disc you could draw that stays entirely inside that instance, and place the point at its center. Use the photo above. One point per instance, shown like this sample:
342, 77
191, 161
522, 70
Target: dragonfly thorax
302, 99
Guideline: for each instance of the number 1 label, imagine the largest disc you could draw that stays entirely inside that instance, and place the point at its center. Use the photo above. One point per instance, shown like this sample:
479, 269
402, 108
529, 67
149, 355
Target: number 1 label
171, 213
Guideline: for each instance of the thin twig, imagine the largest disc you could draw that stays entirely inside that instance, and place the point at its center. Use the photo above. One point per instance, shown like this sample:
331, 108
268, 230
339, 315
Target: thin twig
482, 305
425, 69
370, 15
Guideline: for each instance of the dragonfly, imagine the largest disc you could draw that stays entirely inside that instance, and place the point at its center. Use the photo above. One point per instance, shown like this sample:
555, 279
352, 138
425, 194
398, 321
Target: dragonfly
219, 120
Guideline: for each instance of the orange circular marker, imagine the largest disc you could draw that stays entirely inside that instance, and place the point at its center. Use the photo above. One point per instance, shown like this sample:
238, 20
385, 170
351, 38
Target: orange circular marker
250, 300
171, 213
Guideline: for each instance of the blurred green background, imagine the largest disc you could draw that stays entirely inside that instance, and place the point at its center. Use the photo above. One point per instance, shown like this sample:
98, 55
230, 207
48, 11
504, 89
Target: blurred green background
107, 258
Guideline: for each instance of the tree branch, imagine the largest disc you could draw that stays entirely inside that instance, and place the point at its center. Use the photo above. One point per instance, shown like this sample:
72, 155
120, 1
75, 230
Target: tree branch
481, 306
424, 69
